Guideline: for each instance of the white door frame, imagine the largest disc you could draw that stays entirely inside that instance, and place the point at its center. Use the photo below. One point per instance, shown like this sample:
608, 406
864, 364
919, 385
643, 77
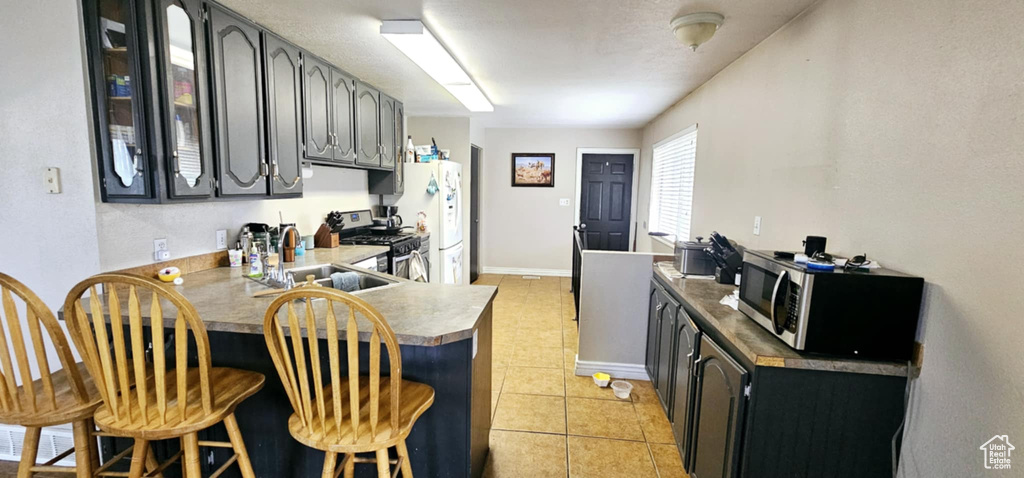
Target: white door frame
633, 196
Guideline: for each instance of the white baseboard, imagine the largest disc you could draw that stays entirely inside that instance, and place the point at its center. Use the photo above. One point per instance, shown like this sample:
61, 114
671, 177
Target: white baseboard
616, 370
517, 271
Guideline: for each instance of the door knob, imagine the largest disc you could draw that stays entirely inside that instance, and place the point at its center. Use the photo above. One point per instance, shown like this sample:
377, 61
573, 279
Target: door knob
583, 226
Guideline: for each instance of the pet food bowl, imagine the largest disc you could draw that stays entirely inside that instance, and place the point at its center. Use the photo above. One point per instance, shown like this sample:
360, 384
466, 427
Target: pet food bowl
601, 379
622, 389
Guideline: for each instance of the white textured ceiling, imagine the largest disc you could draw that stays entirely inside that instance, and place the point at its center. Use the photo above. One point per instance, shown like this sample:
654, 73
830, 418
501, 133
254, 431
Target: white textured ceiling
595, 63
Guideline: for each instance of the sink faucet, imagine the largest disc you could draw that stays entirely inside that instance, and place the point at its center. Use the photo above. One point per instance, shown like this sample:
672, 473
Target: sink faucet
289, 281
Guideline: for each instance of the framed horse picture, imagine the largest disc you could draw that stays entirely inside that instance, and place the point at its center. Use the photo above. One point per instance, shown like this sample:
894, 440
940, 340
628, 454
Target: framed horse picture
536, 170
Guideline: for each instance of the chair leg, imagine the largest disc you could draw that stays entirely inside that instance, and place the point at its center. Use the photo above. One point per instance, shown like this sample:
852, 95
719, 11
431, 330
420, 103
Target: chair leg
383, 467
28, 452
350, 465
403, 454
94, 451
83, 450
236, 442
190, 464
152, 464
139, 453
330, 463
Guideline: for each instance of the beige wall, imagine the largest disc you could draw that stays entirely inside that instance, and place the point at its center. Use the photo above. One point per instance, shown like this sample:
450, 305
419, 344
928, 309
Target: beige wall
451, 133
892, 128
44, 122
525, 228
126, 231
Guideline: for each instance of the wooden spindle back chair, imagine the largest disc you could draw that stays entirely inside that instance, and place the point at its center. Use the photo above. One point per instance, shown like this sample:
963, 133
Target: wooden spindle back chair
338, 410
56, 397
165, 399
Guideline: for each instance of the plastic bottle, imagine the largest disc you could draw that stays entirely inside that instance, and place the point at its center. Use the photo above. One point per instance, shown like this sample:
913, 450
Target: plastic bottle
255, 266
410, 151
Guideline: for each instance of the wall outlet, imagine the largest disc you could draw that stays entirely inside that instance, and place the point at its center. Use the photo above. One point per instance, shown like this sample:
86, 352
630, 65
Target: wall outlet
53, 180
563, 202
757, 225
222, 239
160, 251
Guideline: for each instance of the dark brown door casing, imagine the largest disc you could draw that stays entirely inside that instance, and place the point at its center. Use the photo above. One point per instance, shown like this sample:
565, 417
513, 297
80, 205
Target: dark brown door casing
606, 188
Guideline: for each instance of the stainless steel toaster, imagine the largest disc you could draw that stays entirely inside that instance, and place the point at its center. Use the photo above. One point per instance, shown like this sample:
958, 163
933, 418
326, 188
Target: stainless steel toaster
692, 258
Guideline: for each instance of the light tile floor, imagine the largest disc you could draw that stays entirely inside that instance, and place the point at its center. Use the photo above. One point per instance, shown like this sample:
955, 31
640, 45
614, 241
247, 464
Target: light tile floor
547, 422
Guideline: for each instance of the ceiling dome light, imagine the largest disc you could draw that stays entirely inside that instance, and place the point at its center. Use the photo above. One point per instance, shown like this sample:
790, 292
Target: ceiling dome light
696, 28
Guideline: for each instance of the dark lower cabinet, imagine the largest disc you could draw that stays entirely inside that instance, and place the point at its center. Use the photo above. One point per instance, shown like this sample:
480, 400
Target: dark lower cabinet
684, 382
734, 417
284, 115
718, 416
666, 351
242, 164
653, 326
368, 137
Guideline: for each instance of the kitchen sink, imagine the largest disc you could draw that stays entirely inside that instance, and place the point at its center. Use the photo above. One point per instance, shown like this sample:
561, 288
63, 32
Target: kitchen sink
322, 275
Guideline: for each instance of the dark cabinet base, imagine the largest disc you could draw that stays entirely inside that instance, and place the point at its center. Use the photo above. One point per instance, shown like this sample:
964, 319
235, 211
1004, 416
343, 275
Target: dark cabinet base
449, 440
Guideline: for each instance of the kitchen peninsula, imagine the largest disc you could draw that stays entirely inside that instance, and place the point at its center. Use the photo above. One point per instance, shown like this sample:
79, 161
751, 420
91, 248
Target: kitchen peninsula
444, 334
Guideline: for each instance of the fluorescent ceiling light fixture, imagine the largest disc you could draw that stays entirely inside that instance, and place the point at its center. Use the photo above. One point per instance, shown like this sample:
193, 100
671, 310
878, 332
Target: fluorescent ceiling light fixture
422, 47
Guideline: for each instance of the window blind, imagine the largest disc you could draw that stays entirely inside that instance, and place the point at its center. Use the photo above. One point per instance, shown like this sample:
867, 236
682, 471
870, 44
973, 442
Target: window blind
672, 184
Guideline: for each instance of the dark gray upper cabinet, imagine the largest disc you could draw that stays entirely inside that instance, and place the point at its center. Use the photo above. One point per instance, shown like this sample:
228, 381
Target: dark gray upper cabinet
666, 352
368, 137
118, 109
187, 131
684, 379
388, 131
316, 86
242, 164
718, 416
399, 148
284, 115
343, 94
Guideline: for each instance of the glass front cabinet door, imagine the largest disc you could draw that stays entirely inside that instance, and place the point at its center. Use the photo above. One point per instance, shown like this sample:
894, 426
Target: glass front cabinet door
186, 99
147, 63
118, 112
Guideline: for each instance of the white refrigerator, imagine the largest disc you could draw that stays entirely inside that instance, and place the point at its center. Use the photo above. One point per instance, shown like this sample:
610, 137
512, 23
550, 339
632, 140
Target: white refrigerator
444, 210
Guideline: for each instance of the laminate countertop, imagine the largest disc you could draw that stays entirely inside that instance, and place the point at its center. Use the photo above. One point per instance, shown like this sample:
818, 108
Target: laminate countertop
420, 314
756, 343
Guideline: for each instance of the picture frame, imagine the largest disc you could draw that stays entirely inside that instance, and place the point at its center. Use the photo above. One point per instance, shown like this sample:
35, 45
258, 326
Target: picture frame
533, 170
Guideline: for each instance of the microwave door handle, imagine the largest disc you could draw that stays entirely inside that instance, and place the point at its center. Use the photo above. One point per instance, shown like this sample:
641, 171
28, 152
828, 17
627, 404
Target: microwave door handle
783, 276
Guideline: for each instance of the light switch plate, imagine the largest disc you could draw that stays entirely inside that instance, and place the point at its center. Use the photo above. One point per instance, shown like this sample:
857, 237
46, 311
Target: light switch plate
53, 180
222, 239
757, 225
563, 202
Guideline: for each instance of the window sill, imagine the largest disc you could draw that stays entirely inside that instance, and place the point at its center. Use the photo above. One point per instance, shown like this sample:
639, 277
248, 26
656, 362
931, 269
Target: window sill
671, 245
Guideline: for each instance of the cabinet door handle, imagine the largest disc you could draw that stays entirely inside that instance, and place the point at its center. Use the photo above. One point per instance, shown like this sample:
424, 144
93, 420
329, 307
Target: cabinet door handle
276, 169
658, 308
264, 169
135, 162
177, 162
696, 366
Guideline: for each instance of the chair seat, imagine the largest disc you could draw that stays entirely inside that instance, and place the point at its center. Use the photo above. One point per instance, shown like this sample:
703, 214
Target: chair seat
229, 387
415, 398
68, 408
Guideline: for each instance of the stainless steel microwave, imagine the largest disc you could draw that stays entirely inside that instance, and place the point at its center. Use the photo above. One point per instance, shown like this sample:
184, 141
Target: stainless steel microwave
871, 315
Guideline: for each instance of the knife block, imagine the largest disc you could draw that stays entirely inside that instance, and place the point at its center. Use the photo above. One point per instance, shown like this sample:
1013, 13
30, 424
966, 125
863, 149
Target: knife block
325, 238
